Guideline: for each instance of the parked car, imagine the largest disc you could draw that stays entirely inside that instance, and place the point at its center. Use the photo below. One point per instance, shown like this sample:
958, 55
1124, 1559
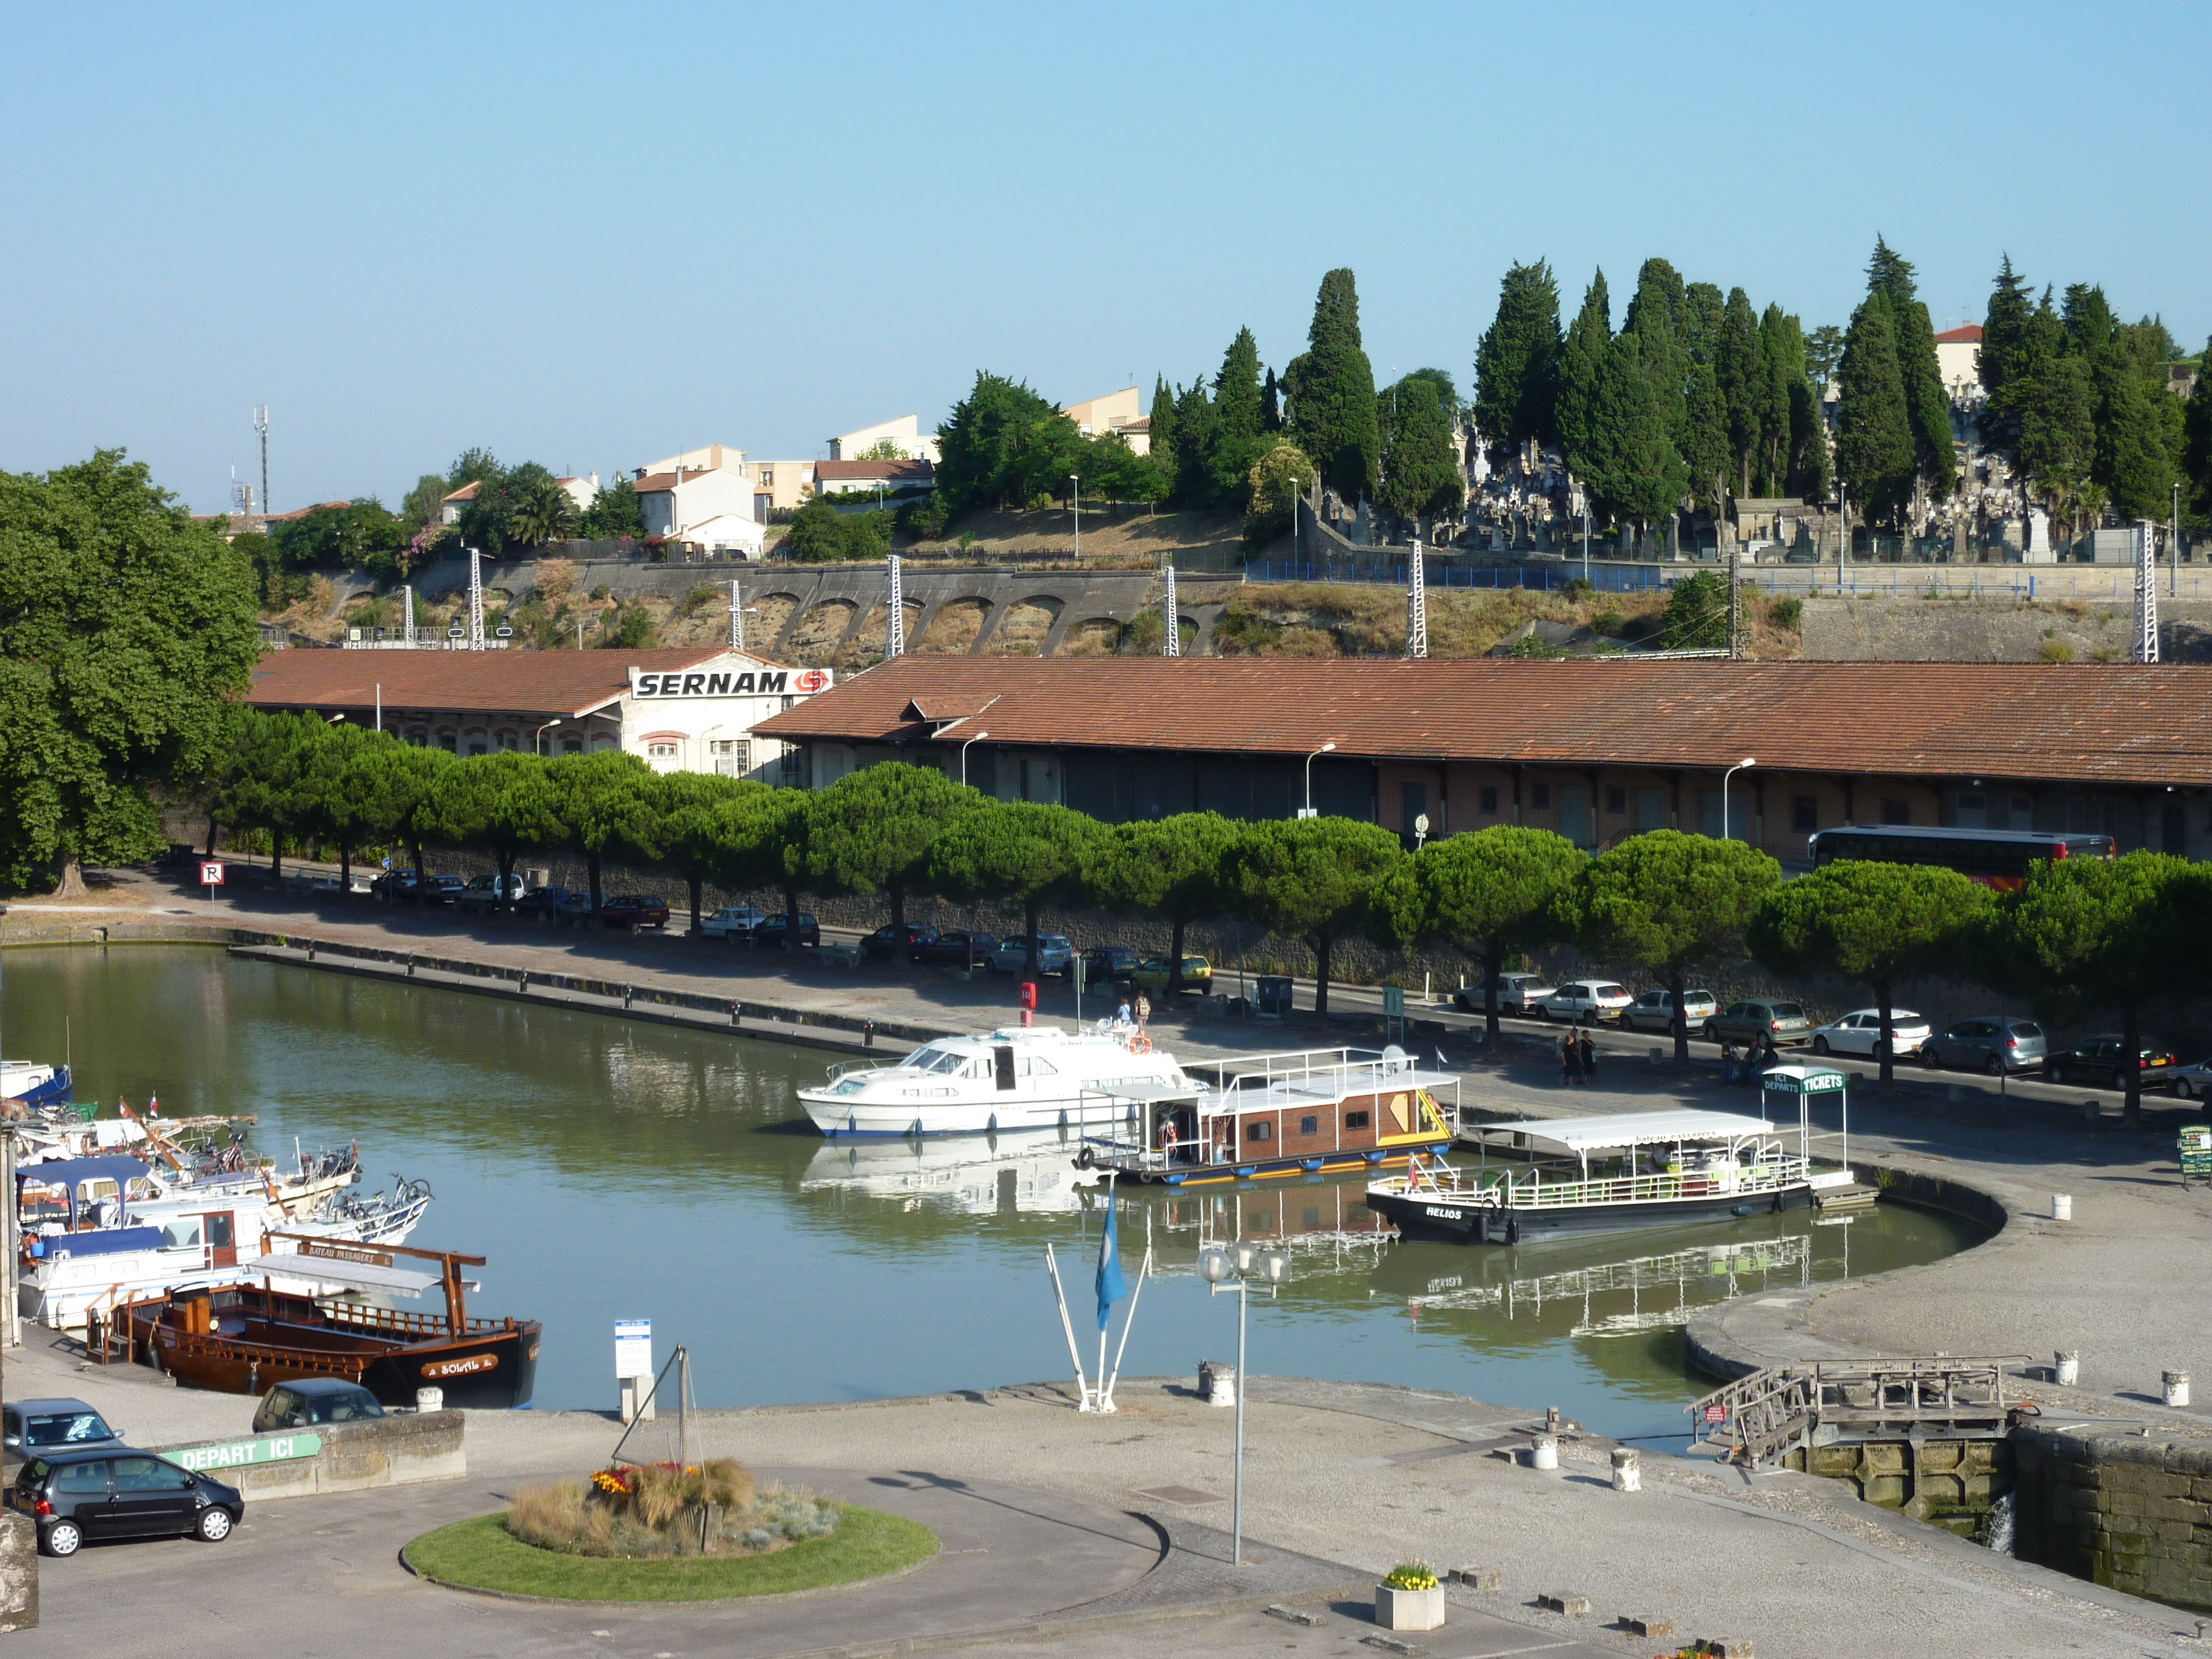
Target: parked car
2194, 1082
1197, 973
959, 948
570, 910
1860, 1033
1747, 1022
1579, 1000
30, 1428
1994, 1044
733, 922
2102, 1060
633, 910
491, 892
1054, 954
1110, 964
79, 1495
905, 940
1654, 1011
436, 890
774, 930
314, 1400
1517, 994
393, 884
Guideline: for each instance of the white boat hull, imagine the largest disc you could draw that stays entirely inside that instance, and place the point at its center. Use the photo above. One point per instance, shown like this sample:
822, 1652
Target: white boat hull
848, 1117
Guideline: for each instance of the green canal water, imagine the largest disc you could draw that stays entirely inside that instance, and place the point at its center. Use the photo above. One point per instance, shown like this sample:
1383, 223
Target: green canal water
618, 1171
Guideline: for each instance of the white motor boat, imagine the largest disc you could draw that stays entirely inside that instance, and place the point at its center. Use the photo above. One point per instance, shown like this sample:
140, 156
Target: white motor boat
1029, 1077
26, 1084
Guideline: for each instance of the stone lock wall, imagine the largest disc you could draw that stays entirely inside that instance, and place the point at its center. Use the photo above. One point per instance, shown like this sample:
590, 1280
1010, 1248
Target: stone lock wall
1950, 1483
2130, 1512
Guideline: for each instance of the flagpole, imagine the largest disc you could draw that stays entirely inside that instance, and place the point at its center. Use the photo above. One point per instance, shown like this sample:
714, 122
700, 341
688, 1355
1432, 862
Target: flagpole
1112, 1237
1123, 1347
1082, 1387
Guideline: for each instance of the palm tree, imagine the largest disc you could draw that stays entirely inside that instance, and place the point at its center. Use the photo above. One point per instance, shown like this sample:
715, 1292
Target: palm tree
539, 511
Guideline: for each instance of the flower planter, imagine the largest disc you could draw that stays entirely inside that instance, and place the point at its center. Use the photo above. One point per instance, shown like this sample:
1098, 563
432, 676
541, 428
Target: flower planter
1409, 1609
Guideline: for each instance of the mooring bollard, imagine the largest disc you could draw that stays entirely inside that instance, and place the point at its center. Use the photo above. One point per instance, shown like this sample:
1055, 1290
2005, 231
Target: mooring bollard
522, 983
867, 1034
2061, 1207
629, 991
2177, 1387
1545, 1453
737, 1013
410, 964
2068, 1370
311, 945
1627, 1469
430, 1400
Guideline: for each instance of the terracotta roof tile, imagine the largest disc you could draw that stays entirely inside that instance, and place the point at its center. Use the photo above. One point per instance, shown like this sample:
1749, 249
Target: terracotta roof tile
1970, 334
549, 682
2110, 723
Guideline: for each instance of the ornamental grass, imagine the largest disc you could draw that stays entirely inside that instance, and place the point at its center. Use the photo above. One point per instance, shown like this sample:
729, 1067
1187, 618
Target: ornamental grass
663, 1511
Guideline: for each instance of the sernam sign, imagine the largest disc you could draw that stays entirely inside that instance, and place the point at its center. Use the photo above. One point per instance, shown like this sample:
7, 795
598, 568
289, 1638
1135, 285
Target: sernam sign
767, 682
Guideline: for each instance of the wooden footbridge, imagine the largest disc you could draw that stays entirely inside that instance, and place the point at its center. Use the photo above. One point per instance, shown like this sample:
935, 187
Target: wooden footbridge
1771, 1413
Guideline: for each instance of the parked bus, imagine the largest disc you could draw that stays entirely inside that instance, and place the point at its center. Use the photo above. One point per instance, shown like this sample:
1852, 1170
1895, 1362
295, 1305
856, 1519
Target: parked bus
1994, 858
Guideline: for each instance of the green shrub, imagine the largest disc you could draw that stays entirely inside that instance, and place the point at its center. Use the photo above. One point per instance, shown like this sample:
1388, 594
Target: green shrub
1609, 623
927, 519
700, 598
820, 534
1580, 588
630, 628
1786, 613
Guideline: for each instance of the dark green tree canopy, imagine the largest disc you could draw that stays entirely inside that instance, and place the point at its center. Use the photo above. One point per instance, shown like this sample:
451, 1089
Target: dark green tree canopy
871, 831
1491, 893
124, 627
1517, 371
1582, 363
1875, 453
1421, 464
1312, 878
615, 512
1331, 394
1030, 853
1003, 444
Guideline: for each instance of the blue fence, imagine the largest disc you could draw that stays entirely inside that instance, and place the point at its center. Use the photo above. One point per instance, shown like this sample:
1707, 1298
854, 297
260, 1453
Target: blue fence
1605, 578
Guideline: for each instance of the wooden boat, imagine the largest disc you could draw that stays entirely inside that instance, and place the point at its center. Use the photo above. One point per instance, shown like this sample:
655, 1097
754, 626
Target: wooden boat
246, 1337
1632, 1170
1259, 1117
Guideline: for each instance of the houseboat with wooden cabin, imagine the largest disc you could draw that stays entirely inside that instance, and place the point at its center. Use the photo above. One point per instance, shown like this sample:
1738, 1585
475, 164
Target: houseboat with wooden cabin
1258, 1117
1555, 1176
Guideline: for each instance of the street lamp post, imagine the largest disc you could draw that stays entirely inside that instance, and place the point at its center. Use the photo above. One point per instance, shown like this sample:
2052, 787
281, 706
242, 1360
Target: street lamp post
1307, 811
1075, 501
1746, 761
538, 741
1294, 518
1222, 1272
978, 738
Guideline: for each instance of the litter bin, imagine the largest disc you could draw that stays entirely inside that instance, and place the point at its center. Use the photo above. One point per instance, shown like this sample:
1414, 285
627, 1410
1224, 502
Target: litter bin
1274, 995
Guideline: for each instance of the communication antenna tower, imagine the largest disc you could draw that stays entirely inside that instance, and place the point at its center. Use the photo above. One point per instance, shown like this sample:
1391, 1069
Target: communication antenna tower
261, 426
1417, 602
895, 626
1171, 642
475, 600
2146, 593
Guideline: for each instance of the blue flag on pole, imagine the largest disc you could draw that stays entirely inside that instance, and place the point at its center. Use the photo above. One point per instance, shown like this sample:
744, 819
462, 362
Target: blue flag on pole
1112, 1287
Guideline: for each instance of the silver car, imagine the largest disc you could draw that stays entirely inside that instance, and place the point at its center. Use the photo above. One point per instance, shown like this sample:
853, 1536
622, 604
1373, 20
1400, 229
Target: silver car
1654, 1011
1517, 994
1860, 1033
1053, 954
1994, 1043
1580, 999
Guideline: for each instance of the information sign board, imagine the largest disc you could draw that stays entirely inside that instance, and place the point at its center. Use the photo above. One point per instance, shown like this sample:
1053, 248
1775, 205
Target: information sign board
633, 1347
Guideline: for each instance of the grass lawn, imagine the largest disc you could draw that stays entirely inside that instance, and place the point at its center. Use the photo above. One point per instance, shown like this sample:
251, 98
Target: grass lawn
481, 1554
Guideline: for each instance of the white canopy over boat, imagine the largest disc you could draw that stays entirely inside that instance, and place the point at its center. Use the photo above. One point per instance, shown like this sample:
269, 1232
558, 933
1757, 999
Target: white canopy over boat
1679, 1123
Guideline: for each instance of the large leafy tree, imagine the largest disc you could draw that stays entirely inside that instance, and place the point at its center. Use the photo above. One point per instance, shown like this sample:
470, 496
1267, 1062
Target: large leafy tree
691, 819
1312, 879
347, 799
1173, 867
352, 535
1493, 895
1027, 852
406, 779
507, 804
1279, 481
2103, 936
265, 777
761, 842
1517, 370
1332, 393
603, 805
1671, 904
1634, 469
1878, 924
871, 831
1002, 443
1875, 455
615, 512
124, 627
1421, 476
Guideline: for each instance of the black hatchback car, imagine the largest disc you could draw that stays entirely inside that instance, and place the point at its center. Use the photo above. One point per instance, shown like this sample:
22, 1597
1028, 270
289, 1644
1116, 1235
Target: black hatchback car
777, 931
90, 1497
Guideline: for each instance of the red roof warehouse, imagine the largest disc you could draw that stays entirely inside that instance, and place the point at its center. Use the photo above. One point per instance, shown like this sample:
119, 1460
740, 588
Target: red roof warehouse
1596, 749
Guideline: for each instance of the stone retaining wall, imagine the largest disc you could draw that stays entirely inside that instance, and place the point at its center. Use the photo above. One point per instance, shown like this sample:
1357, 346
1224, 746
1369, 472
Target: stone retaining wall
2130, 1512
390, 1451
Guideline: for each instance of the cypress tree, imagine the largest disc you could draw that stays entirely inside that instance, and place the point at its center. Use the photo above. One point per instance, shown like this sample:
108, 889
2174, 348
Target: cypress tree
1702, 312
1637, 471
1739, 365
1581, 360
1162, 429
1655, 317
1516, 360
2196, 441
1876, 451
1781, 364
1195, 442
1928, 406
1270, 406
1332, 393
1236, 398
1421, 476
2004, 346
1709, 455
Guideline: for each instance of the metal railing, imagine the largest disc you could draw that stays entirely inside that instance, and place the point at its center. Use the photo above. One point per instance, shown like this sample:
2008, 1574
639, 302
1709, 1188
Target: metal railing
1528, 1190
1772, 1413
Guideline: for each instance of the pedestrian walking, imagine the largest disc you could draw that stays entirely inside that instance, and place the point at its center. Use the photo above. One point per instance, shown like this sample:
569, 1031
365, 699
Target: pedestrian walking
1144, 1010
1588, 1050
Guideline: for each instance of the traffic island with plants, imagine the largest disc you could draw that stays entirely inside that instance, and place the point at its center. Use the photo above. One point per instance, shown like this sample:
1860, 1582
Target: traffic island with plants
668, 1532
1410, 1597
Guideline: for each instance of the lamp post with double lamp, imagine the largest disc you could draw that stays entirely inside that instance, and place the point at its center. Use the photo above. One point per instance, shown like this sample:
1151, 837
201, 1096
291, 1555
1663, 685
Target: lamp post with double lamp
1307, 811
1236, 1267
538, 741
978, 738
1746, 761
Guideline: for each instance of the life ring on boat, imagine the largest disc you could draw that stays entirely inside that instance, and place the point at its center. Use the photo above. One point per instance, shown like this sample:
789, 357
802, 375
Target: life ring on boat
1140, 1044
1085, 1159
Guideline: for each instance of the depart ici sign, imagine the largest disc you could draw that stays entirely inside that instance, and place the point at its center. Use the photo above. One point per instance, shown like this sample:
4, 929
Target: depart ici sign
766, 682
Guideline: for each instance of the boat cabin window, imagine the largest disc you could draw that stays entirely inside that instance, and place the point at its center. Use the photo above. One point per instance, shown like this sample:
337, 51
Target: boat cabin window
180, 1233
219, 1229
936, 1060
1259, 1131
1309, 1126
1003, 1063
1038, 1065
1355, 1120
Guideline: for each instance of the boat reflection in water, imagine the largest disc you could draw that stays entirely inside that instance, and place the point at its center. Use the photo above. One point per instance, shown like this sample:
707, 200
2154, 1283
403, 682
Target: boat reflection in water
972, 1175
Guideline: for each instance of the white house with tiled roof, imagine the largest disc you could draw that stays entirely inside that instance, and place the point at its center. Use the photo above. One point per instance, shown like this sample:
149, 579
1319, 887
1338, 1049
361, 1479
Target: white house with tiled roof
711, 509
1958, 362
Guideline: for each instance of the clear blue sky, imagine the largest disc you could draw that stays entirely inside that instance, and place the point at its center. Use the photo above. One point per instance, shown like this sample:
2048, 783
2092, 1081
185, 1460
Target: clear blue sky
591, 236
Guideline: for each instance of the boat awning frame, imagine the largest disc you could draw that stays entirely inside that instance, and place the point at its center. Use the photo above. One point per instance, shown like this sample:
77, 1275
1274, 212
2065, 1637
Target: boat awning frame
332, 1270
1606, 1134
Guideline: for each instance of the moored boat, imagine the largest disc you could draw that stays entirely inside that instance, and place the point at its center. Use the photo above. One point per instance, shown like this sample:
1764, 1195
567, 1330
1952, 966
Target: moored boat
1027, 1077
26, 1086
1582, 1175
1315, 1111
245, 1336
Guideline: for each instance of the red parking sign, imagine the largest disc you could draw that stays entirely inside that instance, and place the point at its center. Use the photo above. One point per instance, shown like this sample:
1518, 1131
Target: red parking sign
210, 875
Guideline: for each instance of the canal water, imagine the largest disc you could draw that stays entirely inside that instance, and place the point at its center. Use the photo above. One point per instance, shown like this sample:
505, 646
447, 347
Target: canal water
610, 1169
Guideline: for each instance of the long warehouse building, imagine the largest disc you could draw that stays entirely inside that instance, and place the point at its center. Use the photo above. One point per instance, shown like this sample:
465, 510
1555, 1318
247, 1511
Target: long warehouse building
1597, 749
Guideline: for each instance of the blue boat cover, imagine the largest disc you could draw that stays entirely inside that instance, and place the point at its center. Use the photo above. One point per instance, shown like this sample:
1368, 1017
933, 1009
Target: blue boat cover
69, 1172
103, 1241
